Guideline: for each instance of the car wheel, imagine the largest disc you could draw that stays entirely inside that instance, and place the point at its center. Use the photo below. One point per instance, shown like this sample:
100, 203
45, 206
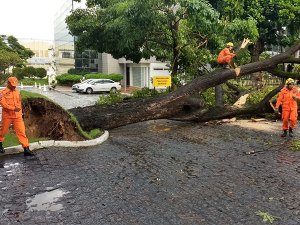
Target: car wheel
89, 90
113, 90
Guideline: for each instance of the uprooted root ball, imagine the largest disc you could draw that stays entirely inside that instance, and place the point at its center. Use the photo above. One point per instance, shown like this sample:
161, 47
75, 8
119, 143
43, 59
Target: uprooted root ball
44, 118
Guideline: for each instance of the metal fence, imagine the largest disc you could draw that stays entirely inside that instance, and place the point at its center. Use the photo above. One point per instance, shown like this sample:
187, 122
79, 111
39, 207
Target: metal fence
269, 82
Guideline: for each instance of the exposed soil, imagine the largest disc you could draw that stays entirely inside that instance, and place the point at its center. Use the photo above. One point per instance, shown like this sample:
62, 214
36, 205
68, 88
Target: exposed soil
44, 118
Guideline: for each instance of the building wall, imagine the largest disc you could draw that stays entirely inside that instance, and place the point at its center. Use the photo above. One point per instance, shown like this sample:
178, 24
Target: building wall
65, 56
109, 64
41, 50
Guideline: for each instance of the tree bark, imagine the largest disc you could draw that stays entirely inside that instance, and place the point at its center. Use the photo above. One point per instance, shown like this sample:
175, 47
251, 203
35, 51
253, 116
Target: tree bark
170, 105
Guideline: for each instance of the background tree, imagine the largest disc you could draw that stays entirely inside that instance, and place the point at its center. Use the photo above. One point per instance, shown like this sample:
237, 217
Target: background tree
180, 32
277, 21
12, 53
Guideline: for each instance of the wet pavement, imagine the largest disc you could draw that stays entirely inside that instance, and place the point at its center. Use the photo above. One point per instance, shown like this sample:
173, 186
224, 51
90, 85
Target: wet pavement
158, 172
65, 97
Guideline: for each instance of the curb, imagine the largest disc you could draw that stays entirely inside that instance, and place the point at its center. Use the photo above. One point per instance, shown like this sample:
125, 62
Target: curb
51, 143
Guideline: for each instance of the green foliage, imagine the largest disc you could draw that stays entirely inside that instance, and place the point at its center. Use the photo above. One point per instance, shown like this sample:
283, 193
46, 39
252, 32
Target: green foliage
29, 72
295, 145
266, 217
113, 76
110, 99
12, 140
68, 79
297, 69
147, 92
12, 53
27, 94
256, 96
270, 17
40, 72
134, 29
32, 81
77, 71
95, 133
239, 29
209, 97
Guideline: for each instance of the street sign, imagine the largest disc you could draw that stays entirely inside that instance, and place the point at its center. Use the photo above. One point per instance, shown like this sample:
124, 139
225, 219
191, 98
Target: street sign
162, 81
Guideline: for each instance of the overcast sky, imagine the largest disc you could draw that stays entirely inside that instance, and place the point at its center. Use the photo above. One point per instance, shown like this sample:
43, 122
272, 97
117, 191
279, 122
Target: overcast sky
31, 19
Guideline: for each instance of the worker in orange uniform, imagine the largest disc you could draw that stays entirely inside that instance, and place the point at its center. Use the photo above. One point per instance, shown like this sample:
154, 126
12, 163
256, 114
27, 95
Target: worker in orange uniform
225, 56
288, 99
10, 101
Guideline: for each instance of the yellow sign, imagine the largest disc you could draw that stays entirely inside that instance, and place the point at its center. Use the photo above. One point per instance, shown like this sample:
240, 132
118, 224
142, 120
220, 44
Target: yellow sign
162, 81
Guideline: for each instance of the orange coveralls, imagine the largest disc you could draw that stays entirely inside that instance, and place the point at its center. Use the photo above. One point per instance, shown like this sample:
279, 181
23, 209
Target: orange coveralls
225, 56
289, 107
9, 100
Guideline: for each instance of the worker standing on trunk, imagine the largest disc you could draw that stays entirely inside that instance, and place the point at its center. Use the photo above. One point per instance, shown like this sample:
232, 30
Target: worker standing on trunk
10, 100
288, 97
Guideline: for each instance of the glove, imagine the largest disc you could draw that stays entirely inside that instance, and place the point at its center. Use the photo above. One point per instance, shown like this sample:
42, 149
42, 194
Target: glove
276, 111
295, 97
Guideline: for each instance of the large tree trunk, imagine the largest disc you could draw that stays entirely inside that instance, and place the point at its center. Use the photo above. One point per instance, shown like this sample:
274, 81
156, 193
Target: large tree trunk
256, 50
171, 105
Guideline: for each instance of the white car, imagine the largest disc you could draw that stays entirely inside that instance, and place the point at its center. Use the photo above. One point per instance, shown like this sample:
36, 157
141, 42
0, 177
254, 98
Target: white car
75, 86
99, 85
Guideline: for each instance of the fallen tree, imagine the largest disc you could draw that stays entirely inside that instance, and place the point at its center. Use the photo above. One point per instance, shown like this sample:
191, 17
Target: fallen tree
173, 104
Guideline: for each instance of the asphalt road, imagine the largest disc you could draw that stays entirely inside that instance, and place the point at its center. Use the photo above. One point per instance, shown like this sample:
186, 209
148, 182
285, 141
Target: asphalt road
159, 172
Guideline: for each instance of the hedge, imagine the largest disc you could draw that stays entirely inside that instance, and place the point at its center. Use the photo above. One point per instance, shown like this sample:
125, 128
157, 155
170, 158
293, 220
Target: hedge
70, 79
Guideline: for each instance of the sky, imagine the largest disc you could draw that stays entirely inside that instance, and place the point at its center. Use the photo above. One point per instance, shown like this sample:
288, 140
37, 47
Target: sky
28, 19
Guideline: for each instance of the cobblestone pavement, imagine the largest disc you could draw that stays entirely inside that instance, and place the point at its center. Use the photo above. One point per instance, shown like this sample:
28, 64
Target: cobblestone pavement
66, 98
158, 172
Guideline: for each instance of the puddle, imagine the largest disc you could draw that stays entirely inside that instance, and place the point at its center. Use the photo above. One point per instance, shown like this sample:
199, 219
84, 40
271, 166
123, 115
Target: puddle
46, 201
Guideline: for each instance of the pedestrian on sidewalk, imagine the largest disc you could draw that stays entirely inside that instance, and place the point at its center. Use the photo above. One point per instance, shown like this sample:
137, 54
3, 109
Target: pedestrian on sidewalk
287, 98
10, 100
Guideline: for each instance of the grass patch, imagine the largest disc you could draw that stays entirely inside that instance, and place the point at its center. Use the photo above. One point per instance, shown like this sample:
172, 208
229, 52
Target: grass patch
95, 133
12, 140
27, 94
295, 146
88, 135
30, 81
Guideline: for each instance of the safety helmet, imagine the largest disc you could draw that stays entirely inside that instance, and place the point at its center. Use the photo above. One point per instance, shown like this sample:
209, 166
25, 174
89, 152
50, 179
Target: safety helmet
229, 44
289, 81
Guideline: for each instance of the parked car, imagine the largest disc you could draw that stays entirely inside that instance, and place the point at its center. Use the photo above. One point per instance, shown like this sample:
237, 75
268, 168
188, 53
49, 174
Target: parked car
75, 86
99, 85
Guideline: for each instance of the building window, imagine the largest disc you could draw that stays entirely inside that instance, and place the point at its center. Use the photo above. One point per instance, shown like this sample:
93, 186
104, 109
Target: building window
66, 55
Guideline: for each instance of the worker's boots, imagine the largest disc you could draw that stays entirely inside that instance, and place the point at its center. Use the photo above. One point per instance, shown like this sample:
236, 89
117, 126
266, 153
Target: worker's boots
291, 134
1, 148
27, 152
284, 133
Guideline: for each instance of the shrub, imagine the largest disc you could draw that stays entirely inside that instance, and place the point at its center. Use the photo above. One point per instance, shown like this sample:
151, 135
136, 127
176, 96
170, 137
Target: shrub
77, 71
113, 76
40, 72
257, 96
110, 99
68, 79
